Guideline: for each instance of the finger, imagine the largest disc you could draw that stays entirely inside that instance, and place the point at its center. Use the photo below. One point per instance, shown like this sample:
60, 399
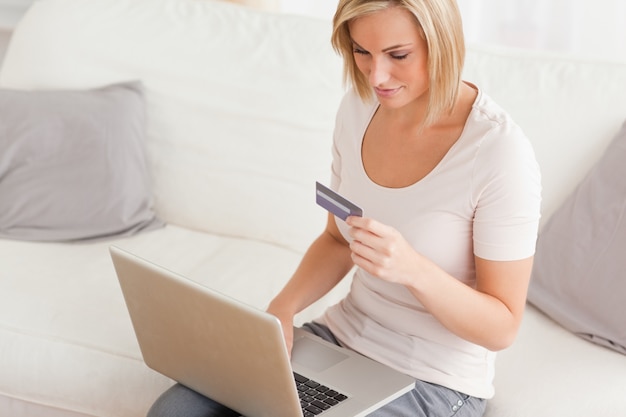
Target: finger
366, 237
368, 265
362, 262
366, 223
369, 252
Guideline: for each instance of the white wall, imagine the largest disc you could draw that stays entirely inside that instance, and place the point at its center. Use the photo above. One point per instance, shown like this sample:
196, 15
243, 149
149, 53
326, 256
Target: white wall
590, 28
318, 8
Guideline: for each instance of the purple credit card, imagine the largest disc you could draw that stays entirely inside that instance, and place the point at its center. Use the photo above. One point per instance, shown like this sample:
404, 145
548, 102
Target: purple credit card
335, 203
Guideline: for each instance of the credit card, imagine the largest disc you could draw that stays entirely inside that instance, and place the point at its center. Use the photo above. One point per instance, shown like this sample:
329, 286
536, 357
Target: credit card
335, 203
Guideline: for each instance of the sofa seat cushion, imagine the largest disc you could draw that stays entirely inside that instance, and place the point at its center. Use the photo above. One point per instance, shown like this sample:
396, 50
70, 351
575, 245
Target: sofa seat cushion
549, 371
66, 340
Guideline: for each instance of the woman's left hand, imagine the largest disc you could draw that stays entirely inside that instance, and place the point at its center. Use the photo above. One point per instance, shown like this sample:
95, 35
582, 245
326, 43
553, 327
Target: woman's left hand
382, 251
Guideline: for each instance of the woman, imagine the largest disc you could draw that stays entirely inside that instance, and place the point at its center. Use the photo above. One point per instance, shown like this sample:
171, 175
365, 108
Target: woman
451, 190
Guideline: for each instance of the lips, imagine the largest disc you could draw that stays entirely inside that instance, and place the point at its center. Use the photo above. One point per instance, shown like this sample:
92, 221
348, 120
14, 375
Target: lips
386, 92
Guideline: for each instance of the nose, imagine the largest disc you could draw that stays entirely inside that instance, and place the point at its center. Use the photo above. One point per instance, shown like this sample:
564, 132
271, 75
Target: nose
378, 72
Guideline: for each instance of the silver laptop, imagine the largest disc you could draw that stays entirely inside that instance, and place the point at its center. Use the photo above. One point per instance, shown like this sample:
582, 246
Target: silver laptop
236, 354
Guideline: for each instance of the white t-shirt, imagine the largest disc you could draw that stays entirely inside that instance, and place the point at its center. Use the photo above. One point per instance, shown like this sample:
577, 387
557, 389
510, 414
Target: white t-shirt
482, 199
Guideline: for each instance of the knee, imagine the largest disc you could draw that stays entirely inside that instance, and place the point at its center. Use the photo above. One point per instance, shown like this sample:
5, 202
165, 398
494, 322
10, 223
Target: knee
177, 401
180, 401
159, 407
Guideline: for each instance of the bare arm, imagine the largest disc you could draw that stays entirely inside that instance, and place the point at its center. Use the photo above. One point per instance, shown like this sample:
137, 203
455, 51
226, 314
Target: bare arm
488, 315
324, 264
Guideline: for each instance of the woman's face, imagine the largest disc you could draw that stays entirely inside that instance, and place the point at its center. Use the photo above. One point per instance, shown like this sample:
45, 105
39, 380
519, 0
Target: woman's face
390, 51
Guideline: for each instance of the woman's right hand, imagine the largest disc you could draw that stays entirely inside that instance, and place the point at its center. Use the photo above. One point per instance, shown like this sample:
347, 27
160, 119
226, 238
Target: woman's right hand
324, 264
286, 321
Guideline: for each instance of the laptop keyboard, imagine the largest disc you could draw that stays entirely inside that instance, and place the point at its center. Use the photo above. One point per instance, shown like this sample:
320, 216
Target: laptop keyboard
315, 398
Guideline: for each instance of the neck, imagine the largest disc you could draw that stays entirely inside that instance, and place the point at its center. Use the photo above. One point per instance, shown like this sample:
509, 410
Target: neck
410, 117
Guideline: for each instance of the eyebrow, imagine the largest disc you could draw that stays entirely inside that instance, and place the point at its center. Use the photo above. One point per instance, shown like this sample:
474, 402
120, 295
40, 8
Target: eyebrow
401, 45
389, 48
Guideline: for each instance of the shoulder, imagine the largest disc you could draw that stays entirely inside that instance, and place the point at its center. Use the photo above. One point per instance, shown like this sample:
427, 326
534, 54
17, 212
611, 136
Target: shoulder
504, 157
498, 137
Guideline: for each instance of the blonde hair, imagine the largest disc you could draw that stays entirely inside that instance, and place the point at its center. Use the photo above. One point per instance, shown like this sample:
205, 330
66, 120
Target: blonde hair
440, 24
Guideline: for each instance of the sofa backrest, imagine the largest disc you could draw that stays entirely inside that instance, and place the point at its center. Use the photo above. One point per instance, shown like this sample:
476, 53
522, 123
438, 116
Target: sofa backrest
569, 108
241, 103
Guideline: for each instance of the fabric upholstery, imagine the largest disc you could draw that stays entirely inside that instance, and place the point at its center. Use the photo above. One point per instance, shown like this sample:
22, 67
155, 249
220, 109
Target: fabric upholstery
579, 277
72, 164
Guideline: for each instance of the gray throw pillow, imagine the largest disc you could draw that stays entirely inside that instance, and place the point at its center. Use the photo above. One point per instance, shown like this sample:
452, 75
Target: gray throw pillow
72, 164
579, 277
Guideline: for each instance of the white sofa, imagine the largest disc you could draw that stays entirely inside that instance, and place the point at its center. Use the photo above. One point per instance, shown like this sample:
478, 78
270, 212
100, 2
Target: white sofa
240, 108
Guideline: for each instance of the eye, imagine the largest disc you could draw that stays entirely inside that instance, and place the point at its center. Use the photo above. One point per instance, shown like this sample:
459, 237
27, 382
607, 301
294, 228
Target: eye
399, 56
360, 51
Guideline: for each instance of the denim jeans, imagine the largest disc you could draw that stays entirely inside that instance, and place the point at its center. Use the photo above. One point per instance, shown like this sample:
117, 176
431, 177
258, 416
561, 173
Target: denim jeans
425, 400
